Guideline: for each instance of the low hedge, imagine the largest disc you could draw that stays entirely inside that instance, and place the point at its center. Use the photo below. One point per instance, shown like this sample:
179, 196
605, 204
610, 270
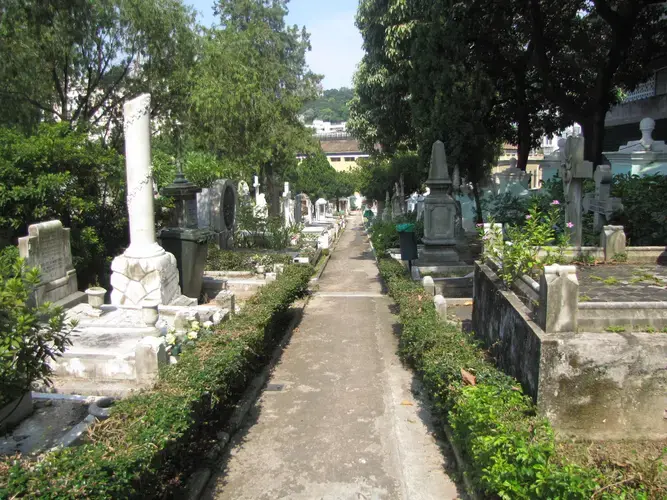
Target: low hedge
509, 450
139, 451
228, 260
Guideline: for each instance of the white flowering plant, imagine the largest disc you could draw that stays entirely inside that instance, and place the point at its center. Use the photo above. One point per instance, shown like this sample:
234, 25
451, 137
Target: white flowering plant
518, 250
195, 332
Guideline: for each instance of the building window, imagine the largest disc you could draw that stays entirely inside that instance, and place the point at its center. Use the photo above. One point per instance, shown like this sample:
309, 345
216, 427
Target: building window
335, 158
350, 158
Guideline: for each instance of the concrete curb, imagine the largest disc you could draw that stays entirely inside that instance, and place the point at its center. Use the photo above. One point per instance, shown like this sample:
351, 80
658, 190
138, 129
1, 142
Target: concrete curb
200, 479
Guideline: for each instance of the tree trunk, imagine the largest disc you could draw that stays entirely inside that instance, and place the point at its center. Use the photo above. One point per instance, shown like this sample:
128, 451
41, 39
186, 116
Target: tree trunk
523, 121
478, 203
524, 138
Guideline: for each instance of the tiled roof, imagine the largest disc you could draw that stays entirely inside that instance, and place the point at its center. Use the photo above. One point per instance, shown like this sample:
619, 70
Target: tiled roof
340, 146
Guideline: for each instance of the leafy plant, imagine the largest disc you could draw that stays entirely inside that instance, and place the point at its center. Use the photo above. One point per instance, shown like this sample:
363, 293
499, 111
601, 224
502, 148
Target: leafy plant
519, 254
30, 335
615, 329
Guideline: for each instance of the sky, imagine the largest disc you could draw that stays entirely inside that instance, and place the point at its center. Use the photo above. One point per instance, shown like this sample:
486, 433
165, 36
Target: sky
335, 40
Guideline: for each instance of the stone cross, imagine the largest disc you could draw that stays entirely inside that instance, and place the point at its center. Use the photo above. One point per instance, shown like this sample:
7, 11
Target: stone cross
601, 203
573, 171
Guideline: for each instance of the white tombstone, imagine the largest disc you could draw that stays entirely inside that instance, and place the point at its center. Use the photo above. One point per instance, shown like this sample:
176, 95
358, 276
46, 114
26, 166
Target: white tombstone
387, 209
243, 191
643, 157
48, 248
261, 210
321, 210
512, 180
288, 213
145, 271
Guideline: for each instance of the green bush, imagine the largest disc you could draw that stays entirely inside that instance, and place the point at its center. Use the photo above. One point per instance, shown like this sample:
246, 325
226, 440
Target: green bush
385, 236
149, 437
29, 335
61, 174
644, 215
509, 450
228, 260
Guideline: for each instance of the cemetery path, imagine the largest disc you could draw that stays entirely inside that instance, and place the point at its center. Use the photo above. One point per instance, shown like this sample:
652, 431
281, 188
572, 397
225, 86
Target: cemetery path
345, 424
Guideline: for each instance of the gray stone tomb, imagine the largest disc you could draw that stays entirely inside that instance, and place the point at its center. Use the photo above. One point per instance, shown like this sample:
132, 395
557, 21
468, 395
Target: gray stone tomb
439, 212
48, 248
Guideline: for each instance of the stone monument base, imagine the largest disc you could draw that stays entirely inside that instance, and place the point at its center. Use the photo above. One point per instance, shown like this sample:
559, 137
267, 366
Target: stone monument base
434, 255
137, 280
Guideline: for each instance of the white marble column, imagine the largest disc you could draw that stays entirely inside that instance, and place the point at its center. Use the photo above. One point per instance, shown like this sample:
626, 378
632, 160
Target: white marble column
145, 271
138, 169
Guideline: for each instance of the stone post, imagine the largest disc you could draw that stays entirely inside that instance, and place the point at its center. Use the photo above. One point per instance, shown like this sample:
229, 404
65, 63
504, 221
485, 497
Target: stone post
440, 306
559, 293
149, 355
137, 127
429, 285
612, 240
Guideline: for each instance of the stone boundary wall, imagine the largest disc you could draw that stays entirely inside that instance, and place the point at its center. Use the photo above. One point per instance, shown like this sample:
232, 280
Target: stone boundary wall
589, 385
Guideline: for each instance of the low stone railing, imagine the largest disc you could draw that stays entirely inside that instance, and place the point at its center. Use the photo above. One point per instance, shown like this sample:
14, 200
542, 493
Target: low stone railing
590, 383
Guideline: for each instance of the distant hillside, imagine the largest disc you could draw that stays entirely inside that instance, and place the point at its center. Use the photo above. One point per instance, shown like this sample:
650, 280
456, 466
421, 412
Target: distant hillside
330, 107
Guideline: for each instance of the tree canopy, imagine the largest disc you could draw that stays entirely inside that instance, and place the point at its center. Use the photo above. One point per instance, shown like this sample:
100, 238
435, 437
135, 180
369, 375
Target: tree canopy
480, 72
332, 106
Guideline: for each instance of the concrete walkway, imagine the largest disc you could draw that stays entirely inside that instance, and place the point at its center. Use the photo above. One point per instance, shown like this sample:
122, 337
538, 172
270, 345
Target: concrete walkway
345, 424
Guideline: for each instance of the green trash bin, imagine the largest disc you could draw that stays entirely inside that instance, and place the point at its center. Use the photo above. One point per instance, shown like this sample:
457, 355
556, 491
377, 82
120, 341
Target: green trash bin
408, 241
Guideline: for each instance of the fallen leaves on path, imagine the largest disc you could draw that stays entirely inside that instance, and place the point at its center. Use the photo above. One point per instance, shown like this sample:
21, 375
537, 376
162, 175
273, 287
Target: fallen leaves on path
407, 403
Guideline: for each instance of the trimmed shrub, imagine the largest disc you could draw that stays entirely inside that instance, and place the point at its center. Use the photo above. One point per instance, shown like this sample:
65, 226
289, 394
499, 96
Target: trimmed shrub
137, 452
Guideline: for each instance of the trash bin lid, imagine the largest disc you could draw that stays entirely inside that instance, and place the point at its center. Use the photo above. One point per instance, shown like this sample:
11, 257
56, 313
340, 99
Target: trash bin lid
405, 228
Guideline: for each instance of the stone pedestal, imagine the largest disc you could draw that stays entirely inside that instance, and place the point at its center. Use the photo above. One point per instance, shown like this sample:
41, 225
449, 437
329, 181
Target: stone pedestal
136, 280
439, 212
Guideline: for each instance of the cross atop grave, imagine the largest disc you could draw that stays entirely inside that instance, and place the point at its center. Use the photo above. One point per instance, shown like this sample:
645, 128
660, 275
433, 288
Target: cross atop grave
574, 169
600, 202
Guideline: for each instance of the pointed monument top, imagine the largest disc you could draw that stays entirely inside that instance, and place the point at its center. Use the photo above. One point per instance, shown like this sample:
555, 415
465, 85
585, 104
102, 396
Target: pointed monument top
438, 173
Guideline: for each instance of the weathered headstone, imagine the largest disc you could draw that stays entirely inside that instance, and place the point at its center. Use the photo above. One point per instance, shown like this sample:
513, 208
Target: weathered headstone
613, 241
573, 171
601, 203
440, 211
48, 248
298, 209
145, 271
